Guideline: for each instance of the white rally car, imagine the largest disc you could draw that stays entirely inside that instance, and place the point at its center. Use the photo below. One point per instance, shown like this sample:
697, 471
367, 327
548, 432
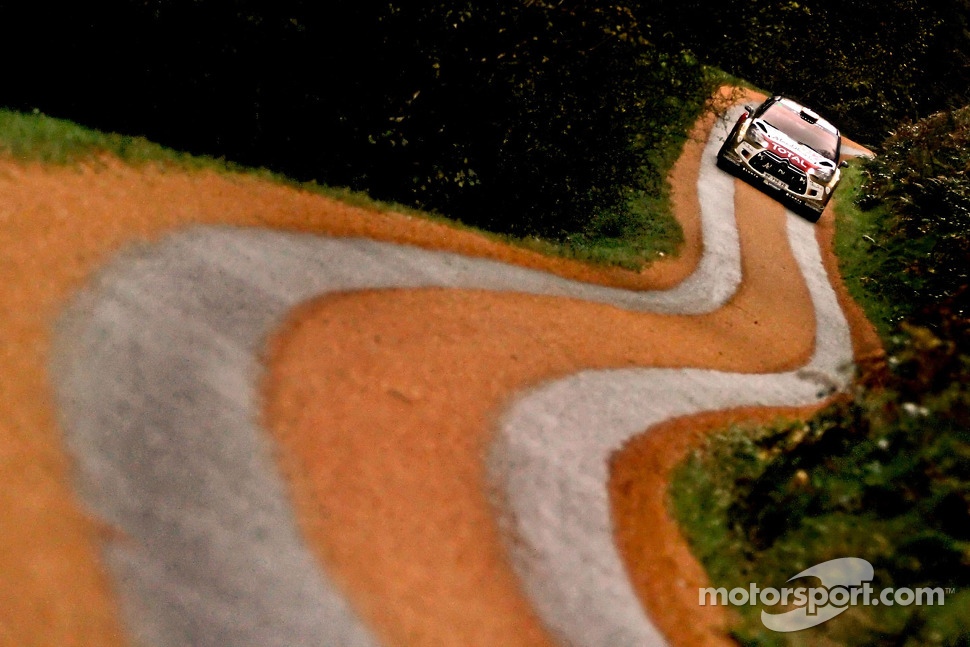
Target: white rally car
788, 148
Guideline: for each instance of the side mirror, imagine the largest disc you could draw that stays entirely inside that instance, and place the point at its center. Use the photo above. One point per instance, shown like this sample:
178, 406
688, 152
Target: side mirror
843, 164
748, 109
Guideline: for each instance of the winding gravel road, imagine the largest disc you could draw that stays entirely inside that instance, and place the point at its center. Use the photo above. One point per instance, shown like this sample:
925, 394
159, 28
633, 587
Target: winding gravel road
156, 369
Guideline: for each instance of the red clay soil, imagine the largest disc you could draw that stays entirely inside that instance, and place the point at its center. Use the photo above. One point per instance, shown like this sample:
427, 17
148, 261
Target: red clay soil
408, 395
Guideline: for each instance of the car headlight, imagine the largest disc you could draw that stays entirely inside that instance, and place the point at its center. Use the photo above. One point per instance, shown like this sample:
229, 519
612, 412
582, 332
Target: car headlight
823, 173
755, 136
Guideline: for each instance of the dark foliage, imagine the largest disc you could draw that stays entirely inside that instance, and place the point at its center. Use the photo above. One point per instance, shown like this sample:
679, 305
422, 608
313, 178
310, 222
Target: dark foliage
866, 64
921, 181
527, 116
521, 115
896, 450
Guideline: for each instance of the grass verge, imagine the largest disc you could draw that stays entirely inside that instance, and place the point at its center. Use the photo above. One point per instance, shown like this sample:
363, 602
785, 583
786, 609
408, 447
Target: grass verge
647, 231
761, 504
871, 261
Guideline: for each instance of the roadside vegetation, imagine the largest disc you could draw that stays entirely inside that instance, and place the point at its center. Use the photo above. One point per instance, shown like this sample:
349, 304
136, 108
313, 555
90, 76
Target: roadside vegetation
35, 137
553, 122
610, 239
868, 65
883, 473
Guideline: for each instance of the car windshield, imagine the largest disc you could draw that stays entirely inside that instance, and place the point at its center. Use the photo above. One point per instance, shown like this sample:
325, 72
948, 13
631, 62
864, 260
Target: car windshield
814, 136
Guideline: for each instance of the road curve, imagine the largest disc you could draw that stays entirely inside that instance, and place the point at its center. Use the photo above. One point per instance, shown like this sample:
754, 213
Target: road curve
553, 457
156, 366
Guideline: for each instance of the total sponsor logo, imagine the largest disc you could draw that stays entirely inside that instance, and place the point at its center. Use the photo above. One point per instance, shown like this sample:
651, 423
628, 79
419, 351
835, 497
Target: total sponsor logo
794, 158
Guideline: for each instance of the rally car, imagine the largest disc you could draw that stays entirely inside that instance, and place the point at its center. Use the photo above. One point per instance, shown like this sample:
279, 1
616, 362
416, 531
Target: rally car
788, 149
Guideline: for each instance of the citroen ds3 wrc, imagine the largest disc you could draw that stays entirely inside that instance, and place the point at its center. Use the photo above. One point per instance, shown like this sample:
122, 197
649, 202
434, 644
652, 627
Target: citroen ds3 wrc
789, 150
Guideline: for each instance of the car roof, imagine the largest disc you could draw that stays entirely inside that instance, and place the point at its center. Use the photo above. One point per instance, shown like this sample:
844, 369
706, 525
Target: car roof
813, 117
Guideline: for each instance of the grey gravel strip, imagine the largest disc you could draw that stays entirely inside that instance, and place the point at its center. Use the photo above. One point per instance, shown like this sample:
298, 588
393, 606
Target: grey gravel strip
550, 465
155, 374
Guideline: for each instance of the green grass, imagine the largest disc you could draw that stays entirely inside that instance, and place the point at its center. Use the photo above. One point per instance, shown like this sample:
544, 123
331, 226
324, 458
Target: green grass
705, 494
869, 267
38, 138
35, 137
648, 231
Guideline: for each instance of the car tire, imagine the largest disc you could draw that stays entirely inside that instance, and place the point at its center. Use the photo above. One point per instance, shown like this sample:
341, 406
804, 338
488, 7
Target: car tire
723, 162
810, 214
722, 151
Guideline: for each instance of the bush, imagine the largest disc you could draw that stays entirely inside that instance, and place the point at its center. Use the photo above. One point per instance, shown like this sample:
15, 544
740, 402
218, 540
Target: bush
523, 116
865, 64
882, 474
527, 117
922, 183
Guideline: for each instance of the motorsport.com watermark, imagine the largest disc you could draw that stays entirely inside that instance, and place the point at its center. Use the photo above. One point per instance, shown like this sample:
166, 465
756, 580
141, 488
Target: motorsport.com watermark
845, 582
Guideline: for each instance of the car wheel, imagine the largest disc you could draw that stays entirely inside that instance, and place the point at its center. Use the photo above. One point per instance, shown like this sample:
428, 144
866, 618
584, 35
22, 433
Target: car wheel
811, 214
723, 163
727, 143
